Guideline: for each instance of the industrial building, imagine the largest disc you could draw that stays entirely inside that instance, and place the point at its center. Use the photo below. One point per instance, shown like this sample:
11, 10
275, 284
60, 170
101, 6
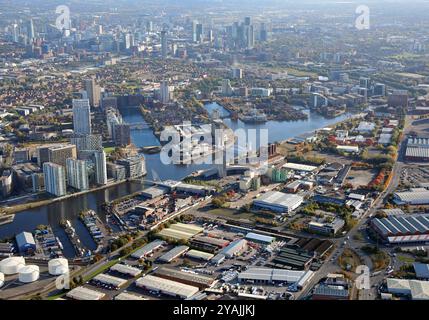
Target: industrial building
421, 270
416, 196
267, 275
199, 255
148, 249
291, 258
173, 254
403, 229
415, 289
235, 248
259, 238
82, 293
181, 231
326, 228
125, 296
126, 270
417, 149
154, 192
299, 167
167, 287
25, 242
189, 278
194, 189
279, 202
109, 280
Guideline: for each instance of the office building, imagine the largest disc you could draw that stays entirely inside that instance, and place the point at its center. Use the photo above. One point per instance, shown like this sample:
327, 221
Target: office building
81, 116
164, 46
93, 91
55, 179
135, 166
165, 92
77, 174
90, 142
398, 99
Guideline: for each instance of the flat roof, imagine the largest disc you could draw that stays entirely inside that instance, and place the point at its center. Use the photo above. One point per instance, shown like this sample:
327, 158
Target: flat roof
173, 253
299, 167
147, 249
279, 198
128, 296
266, 274
108, 279
166, 286
82, 293
180, 275
259, 237
121, 268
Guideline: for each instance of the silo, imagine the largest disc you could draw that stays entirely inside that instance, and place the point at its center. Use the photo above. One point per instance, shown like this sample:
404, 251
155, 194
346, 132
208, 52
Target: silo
12, 265
29, 274
58, 266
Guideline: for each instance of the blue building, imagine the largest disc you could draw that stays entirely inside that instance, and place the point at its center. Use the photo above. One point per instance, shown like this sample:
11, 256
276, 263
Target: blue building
25, 242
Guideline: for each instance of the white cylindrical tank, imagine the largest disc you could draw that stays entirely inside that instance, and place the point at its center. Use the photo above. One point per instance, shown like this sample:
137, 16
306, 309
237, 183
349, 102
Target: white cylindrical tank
12, 265
1, 279
58, 266
29, 274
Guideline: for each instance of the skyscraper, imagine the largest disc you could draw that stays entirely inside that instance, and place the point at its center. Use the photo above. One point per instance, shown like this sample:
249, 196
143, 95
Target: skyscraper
164, 47
100, 167
81, 116
55, 179
30, 30
194, 31
93, 91
122, 134
199, 31
77, 174
165, 92
90, 142
60, 153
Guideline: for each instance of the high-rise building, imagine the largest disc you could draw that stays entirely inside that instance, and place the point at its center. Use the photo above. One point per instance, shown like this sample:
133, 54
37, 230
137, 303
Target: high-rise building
379, 89
30, 30
149, 26
165, 92
81, 116
250, 37
93, 91
55, 179
90, 142
199, 32
60, 153
135, 166
364, 82
247, 21
237, 73
226, 87
100, 167
77, 174
164, 46
122, 134
194, 31
42, 155
398, 98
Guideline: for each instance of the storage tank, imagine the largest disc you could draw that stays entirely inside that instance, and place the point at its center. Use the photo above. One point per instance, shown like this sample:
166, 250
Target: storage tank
29, 274
58, 266
11, 265
1, 279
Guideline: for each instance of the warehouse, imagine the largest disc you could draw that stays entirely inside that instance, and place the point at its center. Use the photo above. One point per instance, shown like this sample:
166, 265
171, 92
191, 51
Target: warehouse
266, 275
115, 282
82, 293
181, 231
126, 270
173, 254
259, 238
25, 242
326, 228
421, 270
235, 248
292, 258
148, 249
190, 278
125, 296
154, 192
199, 255
299, 167
278, 202
416, 196
219, 243
194, 189
417, 149
403, 229
415, 289
167, 287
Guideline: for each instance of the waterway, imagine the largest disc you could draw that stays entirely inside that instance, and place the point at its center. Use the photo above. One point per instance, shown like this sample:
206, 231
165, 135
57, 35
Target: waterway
69, 209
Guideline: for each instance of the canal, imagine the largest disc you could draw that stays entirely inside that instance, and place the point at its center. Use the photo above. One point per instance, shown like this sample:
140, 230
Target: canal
69, 209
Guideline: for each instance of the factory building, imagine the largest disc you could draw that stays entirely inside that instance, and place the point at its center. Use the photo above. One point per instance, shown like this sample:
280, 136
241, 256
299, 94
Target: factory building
173, 254
235, 248
417, 149
189, 278
259, 238
415, 289
167, 287
266, 275
126, 270
416, 196
199, 255
148, 249
25, 242
403, 229
82, 293
279, 202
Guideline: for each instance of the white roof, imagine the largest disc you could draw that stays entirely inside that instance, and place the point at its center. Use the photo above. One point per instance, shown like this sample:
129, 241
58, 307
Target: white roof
291, 276
299, 167
199, 254
128, 296
279, 198
167, 286
82, 293
108, 279
121, 268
